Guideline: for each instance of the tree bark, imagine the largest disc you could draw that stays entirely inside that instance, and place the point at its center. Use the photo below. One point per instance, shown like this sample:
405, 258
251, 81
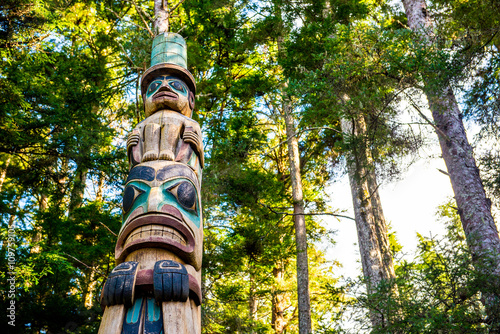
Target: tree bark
162, 16
252, 299
278, 303
3, 174
376, 258
300, 224
473, 205
380, 223
78, 190
304, 303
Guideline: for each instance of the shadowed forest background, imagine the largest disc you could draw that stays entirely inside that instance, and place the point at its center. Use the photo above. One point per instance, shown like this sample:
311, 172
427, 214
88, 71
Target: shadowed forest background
349, 81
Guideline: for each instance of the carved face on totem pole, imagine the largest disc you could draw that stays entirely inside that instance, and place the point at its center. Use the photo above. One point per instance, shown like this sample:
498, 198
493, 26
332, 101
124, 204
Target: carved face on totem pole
162, 209
168, 92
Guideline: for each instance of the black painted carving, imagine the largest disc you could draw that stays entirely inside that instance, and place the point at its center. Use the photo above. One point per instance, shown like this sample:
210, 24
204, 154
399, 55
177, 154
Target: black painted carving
186, 195
129, 196
120, 285
141, 173
175, 170
171, 281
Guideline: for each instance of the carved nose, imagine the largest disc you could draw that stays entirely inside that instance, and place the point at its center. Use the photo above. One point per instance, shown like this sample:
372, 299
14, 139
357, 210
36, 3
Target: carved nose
154, 199
165, 87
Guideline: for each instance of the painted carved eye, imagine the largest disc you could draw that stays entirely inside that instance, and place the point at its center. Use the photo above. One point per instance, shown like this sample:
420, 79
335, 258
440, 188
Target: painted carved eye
185, 194
153, 86
177, 86
129, 196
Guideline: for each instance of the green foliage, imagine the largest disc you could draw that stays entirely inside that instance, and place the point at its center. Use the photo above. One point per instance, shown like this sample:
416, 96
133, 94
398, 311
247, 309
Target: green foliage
438, 291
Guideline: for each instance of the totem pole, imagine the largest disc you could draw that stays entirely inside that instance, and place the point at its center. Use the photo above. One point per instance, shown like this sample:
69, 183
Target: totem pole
155, 287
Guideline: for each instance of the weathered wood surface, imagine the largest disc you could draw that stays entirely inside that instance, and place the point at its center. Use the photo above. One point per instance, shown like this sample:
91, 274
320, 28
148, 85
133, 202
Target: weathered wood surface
112, 320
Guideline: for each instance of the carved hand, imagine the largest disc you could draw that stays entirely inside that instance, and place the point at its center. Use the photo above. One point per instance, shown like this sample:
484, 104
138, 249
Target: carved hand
194, 138
132, 147
120, 285
171, 281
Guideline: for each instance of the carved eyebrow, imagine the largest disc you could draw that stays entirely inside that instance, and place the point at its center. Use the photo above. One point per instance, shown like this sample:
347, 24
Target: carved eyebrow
141, 173
176, 170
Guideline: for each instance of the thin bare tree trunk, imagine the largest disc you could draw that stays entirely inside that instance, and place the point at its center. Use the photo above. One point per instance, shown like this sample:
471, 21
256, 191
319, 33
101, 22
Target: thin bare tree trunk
300, 224
304, 303
162, 16
473, 205
3, 174
277, 317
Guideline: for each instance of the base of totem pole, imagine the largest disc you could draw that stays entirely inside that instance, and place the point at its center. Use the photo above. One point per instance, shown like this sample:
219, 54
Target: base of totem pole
146, 315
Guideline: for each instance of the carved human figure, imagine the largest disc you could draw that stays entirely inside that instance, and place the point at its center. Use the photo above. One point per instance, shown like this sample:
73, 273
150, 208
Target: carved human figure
168, 132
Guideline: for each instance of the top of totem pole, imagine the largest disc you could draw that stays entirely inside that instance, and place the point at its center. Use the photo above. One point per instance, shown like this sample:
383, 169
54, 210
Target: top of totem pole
168, 56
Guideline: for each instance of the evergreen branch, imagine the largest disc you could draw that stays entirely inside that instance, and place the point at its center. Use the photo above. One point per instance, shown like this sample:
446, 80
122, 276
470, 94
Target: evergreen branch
298, 135
86, 265
417, 108
175, 7
139, 11
108, 229
305, 214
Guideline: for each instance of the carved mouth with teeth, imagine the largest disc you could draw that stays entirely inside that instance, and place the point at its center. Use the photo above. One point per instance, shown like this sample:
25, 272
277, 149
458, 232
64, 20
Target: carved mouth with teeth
156, 231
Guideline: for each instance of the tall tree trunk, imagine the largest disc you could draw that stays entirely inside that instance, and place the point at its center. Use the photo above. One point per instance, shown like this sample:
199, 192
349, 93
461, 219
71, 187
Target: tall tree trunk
252, 299
376, 258
304, 303
100, 188
300, 223
380, 223
12, 217
37, 237
473, 205
278, 301
90, 286
78, 190
3, 173
162, 16
13, 214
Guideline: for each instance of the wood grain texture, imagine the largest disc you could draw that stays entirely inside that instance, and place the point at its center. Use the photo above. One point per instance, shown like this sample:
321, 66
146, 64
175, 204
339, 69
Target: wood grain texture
112, 320
181, 318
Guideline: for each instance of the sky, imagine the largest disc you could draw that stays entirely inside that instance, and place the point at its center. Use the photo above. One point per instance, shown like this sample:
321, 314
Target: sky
409, 206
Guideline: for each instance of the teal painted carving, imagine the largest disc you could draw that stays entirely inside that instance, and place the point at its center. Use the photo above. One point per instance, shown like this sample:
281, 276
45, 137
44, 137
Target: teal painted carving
162, 208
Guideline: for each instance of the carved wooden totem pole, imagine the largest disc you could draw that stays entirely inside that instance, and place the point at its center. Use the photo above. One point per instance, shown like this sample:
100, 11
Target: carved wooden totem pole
155, 287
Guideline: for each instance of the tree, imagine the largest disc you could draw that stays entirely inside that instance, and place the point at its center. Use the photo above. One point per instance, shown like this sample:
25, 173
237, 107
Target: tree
439, 290
473, 205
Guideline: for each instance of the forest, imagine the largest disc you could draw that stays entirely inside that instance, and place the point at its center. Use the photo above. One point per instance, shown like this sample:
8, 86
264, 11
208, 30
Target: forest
292, 96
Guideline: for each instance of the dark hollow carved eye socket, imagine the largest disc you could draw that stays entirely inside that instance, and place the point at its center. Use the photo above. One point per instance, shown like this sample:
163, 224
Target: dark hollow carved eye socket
185, 194
129, 196
177, 86
153, 86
